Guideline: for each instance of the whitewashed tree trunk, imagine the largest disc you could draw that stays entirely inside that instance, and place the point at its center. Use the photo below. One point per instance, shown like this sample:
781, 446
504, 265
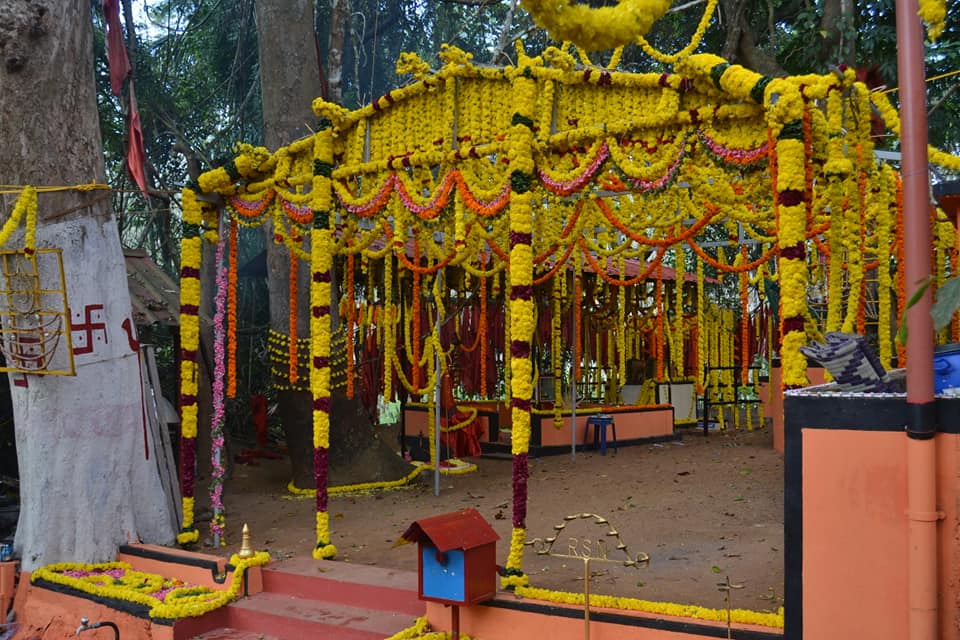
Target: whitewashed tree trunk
86, 485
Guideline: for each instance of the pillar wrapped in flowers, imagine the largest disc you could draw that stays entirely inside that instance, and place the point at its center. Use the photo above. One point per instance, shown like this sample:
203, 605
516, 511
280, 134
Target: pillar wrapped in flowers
522, 307
790, 195
321, 261
190, 254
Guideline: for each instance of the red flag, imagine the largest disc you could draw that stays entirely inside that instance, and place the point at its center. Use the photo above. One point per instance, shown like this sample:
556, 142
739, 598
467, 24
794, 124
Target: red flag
136, 154
116, 47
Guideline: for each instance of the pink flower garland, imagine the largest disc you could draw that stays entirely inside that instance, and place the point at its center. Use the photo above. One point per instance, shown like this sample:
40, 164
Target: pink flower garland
735, 156
663, 181
572, 186
219, 374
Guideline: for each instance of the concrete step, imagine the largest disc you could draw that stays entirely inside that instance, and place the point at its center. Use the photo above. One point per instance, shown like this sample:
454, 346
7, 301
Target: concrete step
345, 583
291, 618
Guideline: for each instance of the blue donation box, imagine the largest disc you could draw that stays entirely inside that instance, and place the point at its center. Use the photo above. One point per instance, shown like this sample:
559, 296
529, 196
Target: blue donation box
457, 557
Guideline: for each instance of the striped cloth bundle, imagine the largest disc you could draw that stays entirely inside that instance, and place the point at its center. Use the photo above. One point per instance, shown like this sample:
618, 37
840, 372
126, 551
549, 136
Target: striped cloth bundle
852, 362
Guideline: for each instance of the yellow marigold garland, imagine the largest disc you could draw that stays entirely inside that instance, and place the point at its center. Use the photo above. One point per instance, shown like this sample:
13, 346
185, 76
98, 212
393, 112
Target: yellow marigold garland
596, 29
934, 14
181, 601
25, 208
701, 30
738, 616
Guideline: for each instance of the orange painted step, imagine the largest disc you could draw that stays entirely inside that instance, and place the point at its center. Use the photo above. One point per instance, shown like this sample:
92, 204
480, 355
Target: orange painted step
356, 585
233, 634
290, 618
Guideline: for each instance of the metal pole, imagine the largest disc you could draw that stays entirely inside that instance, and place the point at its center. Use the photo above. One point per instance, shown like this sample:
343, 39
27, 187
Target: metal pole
586, 598
436, 401
921, 444
573, 378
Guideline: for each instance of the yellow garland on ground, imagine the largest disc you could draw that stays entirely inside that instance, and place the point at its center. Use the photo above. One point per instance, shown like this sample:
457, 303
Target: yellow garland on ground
183, 602
421, 631
359, 487
738, 616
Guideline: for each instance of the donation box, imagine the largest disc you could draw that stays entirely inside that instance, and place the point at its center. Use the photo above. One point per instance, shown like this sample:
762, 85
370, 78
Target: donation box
457, 557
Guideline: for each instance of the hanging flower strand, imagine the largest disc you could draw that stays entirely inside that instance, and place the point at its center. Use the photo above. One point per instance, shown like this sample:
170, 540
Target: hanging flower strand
232, 311
218, 523
26, 207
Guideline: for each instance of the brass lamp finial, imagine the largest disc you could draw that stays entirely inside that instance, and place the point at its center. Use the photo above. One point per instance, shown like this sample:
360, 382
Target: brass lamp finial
246, 551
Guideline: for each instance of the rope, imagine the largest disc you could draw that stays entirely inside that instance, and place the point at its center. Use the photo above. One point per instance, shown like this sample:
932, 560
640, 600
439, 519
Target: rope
17, 188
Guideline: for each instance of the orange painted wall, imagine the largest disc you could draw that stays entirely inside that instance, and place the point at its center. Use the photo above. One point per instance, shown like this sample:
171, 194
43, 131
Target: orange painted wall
854, 535
948, 533
47, 615
646, 424
771, 394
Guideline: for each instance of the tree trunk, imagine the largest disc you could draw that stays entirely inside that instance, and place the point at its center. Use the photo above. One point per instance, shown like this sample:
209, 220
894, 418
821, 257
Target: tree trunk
86, 485
289, 82
836, 26
740, 45
339, 20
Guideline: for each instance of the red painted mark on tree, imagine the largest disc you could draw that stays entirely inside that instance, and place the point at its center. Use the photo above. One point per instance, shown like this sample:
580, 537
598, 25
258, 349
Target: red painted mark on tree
21, 381
131, 339
92, 330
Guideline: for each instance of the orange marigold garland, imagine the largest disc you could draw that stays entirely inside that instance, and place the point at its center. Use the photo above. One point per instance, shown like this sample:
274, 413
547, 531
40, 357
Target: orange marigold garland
658, 337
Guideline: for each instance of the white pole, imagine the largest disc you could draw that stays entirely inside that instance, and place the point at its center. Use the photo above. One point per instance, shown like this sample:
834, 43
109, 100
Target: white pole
436, 401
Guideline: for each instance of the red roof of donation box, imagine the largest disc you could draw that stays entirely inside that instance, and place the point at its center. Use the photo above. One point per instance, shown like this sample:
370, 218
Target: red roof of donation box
462, 530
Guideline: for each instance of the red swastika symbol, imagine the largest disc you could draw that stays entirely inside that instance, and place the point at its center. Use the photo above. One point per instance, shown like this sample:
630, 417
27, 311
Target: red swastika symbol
89, 331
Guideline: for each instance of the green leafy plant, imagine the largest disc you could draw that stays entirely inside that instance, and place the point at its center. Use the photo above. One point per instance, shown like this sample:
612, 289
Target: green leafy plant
942, 310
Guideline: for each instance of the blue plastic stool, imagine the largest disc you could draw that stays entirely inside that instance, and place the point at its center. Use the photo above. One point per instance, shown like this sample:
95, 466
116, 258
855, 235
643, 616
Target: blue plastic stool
600, 423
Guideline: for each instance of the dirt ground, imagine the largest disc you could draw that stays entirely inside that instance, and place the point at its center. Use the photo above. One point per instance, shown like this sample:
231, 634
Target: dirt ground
704, 509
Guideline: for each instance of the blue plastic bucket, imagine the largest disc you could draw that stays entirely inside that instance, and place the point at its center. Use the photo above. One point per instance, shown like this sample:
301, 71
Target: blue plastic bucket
946, 367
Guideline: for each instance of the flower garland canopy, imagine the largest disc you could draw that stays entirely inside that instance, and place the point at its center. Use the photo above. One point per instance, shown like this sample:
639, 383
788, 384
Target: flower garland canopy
509, 176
